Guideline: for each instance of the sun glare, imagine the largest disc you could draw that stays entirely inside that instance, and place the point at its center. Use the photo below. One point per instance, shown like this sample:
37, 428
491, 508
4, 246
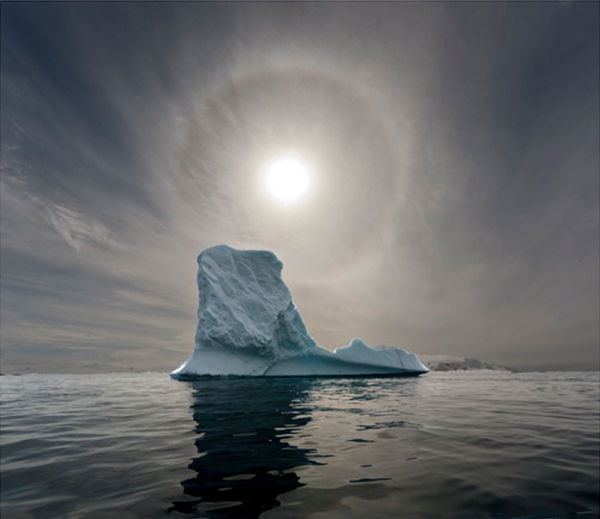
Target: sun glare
287, 179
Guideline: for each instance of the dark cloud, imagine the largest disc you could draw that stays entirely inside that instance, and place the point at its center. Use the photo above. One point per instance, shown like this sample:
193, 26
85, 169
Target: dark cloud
455, 156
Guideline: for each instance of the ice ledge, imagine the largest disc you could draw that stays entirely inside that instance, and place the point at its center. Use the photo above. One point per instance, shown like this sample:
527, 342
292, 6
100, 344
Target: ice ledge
356, 359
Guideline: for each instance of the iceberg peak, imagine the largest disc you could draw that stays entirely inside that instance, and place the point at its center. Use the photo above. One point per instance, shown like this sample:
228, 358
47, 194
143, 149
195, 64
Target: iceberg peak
249, 325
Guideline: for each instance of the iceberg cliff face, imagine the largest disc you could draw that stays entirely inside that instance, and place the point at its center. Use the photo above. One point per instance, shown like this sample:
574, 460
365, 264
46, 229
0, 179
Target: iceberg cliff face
249, 325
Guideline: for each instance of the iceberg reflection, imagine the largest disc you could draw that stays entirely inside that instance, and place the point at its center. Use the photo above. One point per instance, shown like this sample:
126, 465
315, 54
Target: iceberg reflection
245, 460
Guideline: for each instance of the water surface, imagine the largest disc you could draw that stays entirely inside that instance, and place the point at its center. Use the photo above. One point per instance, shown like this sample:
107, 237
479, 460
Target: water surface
456, 444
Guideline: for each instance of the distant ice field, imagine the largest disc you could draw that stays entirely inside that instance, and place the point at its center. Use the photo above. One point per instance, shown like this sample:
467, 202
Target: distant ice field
480, 444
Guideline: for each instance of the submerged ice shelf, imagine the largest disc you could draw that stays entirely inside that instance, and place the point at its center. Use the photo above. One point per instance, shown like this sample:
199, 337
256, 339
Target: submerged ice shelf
248, 325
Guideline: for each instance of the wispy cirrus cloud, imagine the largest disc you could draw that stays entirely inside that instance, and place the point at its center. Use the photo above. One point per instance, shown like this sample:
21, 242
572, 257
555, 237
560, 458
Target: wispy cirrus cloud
77, 229
455, 159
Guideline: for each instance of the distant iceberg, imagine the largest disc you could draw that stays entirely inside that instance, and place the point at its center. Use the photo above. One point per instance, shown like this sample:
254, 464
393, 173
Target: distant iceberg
448, 363
248, 325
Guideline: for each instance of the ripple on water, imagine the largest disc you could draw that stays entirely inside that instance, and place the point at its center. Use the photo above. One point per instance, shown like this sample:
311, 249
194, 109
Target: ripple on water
494, 445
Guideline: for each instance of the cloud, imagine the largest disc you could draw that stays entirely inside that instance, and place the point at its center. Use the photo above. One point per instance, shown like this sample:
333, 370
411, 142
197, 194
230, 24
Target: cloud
455, 160
77, 229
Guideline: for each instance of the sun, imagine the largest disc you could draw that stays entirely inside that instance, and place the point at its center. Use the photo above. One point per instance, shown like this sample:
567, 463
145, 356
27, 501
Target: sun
287, 179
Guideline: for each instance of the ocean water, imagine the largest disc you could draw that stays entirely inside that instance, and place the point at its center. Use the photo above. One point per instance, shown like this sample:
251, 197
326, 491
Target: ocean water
458, 444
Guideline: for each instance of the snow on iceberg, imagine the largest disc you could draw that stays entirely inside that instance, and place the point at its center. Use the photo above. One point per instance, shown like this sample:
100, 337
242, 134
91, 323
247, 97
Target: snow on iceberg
248, 325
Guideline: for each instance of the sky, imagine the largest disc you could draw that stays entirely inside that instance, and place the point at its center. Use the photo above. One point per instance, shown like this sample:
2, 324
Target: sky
454, 150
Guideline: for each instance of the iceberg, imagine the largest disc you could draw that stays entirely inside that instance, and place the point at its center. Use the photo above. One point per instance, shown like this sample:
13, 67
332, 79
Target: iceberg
248, 325
449, 363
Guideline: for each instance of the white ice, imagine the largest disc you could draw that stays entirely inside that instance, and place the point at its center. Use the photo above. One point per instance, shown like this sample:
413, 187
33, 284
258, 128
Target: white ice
248, 325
